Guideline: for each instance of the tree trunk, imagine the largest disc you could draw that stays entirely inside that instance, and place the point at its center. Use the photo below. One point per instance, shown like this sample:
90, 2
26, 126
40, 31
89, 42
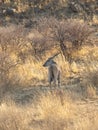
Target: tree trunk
65, 52
63, 49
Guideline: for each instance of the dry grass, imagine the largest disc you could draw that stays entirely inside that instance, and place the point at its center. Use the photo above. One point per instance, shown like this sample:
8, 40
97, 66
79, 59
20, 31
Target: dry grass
30, 71
92, 78
48, 113
12, 117
47, 110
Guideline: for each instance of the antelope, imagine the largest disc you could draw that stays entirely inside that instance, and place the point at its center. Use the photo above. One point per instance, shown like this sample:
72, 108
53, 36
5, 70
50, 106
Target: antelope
53, 71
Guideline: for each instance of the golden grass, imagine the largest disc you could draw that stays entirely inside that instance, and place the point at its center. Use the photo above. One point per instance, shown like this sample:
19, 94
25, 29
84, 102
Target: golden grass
33, 72
12, 117
54, 111
48, 113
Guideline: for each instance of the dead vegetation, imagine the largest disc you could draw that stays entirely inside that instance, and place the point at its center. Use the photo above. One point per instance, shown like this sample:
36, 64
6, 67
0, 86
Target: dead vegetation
22, 77
58, 33
48, 113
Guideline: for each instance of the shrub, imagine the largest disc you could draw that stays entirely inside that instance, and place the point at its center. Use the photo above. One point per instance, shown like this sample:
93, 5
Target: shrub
62, 33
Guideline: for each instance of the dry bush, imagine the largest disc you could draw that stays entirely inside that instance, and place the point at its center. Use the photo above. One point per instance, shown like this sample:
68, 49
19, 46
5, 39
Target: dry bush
37, 47
17, 66
12, 43
12, 37
13, 40
91, 78
5, 65
63, 33
88, 91
78, 32
90, 84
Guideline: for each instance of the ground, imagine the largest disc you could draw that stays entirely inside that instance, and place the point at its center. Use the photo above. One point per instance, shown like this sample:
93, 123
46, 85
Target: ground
37, 108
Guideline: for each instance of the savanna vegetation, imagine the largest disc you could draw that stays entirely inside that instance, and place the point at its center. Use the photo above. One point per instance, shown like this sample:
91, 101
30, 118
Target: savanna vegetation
30, 33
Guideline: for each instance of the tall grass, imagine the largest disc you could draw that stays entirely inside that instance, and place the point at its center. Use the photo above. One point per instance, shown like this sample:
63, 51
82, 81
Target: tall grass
48, 113
29, 70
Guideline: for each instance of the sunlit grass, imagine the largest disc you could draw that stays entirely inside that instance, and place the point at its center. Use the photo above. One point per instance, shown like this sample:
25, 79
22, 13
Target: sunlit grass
48, 113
